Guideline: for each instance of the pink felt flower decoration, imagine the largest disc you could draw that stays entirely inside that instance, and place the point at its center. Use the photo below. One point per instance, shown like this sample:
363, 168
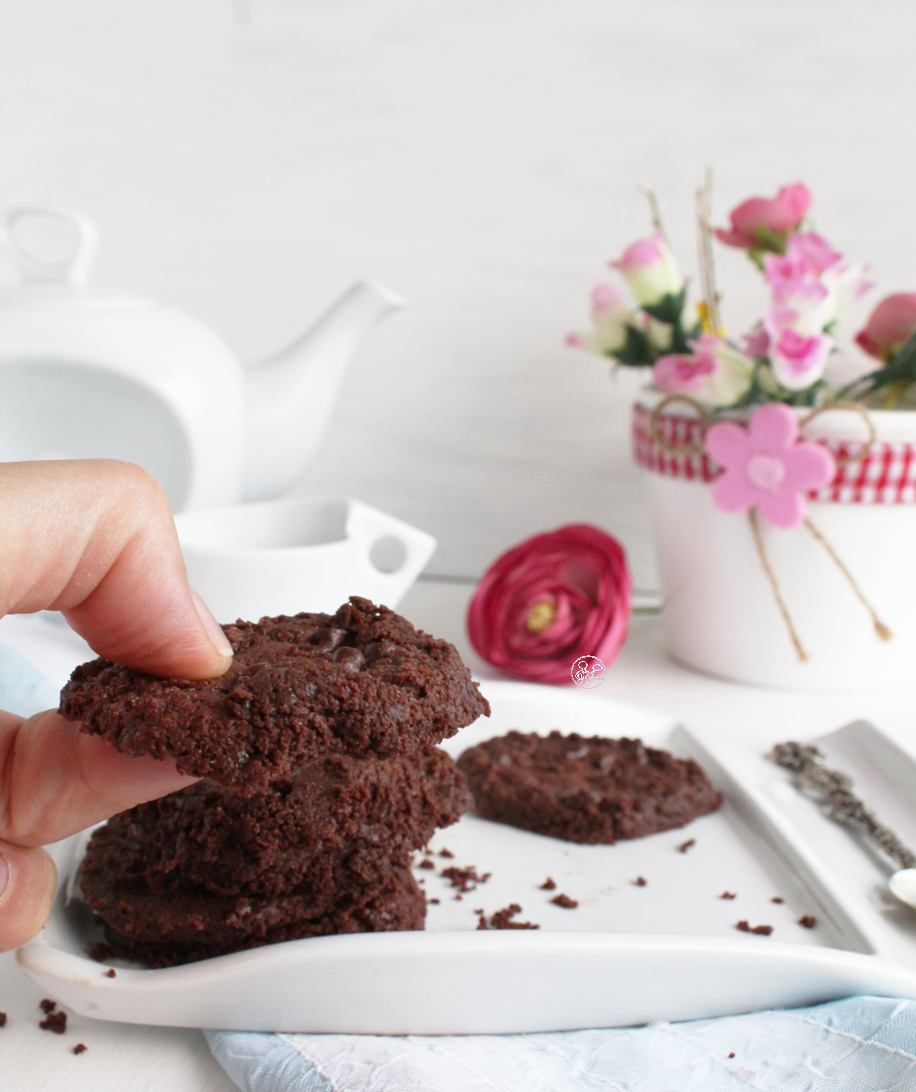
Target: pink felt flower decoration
766, 465
553, 598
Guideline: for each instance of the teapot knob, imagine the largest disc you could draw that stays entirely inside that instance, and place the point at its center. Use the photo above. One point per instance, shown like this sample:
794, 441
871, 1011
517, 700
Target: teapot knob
73, 268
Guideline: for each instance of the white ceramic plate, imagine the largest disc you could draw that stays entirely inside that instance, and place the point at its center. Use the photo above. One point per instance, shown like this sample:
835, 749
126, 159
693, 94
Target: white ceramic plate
626, 955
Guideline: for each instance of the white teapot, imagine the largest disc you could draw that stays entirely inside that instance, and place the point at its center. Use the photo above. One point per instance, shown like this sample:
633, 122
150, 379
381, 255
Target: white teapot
89, 373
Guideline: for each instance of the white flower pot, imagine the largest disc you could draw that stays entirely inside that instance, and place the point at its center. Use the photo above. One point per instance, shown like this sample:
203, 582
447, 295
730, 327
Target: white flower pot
721, 612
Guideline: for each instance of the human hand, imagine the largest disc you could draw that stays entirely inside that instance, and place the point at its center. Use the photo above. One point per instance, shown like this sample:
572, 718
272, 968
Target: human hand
95, 540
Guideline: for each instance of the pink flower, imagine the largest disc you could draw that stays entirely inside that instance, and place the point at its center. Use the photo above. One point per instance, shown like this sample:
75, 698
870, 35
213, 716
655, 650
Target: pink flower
811, 277
551, 599
610, 312
715, 373
755, 222
798, 272
889, 326
650, 270
757, 342
766, 466
798, 353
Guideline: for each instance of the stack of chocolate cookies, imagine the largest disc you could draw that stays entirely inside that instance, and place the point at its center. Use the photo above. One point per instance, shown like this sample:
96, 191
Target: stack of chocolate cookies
321, 777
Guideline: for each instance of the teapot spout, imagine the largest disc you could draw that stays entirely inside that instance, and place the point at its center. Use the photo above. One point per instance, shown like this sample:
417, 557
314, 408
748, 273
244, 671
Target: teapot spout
290, 396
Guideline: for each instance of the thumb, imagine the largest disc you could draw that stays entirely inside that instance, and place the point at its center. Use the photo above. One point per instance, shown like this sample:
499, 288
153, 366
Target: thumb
96, 540
27, 881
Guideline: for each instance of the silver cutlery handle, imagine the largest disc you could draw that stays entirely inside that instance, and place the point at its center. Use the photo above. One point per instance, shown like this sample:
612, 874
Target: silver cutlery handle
807, 763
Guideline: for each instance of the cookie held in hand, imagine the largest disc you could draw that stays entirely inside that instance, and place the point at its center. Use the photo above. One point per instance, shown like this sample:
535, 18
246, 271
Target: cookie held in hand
361, 681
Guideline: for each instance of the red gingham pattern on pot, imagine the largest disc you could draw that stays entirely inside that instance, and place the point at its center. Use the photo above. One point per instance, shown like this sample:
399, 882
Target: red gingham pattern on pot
885, 475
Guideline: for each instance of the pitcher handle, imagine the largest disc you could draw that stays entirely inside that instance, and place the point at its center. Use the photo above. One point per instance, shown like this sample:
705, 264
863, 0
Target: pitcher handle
370, 525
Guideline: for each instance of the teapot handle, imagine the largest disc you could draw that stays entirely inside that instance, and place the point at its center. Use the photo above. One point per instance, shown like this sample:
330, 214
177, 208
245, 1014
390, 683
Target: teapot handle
73, 269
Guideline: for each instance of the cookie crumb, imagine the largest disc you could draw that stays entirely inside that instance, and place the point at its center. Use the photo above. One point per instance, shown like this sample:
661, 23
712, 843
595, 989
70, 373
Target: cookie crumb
427, 864
80, 1048
548, 884
47, 1005
760, 930
808, 920
465, 879
445, 852
54, 1021
777, 899
728, 895
2, 1019
434, 901
565, 901
110, 973
732, 1054
684, 846
458, 898
640, 881
502, 919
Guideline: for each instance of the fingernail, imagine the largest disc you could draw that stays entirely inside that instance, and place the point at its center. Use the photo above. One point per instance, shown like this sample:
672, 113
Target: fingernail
214, 632
4, 874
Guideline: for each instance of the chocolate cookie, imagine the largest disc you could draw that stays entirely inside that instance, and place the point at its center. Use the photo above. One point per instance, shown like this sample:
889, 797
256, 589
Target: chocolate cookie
343, 816
582, 789
361, 681
193, 925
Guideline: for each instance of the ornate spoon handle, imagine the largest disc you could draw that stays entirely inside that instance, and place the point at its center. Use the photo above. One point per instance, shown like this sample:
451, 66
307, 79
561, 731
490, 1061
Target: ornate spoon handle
844, 806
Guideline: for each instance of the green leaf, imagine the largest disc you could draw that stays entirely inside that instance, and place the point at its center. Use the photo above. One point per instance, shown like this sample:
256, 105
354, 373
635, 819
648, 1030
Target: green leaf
767, 239
636, 350
901, 369
669, 308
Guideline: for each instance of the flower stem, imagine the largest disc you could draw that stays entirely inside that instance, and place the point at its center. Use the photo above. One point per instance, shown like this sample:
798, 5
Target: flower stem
710, 310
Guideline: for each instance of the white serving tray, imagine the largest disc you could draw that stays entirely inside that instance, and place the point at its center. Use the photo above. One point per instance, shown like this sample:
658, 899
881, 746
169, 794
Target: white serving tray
627, 954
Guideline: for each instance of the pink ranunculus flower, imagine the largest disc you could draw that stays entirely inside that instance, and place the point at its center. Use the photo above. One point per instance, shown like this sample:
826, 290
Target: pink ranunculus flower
799, 349
555, 597
715, 373
650, 270
889, 326
756, 221
610, 313
766, 465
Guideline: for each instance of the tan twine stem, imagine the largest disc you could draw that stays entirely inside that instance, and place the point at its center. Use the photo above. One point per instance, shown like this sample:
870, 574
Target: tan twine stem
845, 460
880, 628
774, 584
677, 450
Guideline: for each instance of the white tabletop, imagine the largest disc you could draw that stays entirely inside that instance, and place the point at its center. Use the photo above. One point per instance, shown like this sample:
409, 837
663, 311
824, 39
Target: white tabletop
125, 1058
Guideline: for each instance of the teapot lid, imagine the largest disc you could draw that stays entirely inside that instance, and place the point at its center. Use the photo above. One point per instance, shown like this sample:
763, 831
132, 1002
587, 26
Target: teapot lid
62, 282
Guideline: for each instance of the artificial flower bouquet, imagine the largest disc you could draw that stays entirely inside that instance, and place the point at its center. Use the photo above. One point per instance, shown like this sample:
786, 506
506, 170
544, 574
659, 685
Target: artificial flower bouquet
784, 357
812, 589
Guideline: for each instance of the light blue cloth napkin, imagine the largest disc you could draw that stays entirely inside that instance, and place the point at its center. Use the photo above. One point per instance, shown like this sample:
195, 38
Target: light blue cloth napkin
861, 1044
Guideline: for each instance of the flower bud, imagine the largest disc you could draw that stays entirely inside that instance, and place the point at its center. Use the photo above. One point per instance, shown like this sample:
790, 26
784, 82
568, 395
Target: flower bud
889, 326
763, 223
650, 270
715, 373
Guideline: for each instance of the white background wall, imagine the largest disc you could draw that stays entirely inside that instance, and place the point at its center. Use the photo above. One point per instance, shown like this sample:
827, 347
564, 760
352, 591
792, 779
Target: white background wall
246, 160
